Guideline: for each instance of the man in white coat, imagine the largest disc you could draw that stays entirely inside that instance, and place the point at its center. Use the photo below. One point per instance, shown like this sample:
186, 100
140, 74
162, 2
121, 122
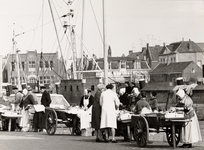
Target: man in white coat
109, 103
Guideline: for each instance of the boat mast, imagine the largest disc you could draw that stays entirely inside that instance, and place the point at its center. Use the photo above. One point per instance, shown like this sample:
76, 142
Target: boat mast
17, 61
105, 48
72, 37
82, 36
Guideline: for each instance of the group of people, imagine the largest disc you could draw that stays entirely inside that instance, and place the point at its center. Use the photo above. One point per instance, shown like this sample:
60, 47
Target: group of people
107, 101
134, 100
24, 101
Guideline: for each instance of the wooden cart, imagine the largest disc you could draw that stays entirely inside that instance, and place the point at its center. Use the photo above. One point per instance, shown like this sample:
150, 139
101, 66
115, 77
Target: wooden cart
53, 117
156, 122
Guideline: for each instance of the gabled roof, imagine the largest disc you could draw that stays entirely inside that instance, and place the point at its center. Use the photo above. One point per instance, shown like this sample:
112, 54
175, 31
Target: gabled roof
154, 52
201, 45
171, 68
182, 47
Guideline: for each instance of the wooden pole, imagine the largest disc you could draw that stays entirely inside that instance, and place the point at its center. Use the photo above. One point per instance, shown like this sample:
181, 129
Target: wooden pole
105, 51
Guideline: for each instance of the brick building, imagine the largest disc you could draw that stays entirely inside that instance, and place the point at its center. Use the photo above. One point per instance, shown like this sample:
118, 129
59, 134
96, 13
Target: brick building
43, 67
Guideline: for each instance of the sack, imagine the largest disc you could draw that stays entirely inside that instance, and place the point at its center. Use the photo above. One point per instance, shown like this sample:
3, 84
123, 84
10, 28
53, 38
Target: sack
189, 114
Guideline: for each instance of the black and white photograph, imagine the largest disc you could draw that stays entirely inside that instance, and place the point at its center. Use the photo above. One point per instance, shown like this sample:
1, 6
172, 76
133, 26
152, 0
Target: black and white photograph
101, 74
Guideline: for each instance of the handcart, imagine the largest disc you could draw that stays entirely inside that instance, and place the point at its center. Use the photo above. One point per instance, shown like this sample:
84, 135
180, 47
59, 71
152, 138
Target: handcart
156, 122
54, 116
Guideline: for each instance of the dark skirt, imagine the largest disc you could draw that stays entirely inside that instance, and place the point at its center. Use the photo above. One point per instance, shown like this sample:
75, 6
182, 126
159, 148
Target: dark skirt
39, 120
96, 117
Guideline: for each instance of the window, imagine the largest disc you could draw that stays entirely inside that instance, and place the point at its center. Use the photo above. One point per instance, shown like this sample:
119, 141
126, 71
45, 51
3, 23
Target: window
46, 64
32, 80
71, 88
23, 65
65, 88
77, 88
31, 66
137, 65
192, 70
41, 80
47, 79
122, 65
12, 80
41, 64
13, 66
114, 65
130, 64
51, 65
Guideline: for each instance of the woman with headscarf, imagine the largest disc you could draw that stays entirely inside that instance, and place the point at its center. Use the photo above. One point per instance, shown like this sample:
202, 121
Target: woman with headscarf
96, 112
25, 104
191, 131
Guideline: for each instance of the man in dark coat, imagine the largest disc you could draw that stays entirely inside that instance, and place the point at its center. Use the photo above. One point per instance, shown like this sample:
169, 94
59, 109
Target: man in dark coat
45, 99
39, 117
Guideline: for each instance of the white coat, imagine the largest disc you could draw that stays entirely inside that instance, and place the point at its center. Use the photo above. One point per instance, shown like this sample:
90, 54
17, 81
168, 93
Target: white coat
109, 102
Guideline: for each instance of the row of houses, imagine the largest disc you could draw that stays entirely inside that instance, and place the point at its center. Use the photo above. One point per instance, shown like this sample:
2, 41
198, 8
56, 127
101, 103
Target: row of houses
175, 58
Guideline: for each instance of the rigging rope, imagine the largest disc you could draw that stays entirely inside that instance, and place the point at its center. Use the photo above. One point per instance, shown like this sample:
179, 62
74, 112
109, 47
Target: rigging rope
56, 34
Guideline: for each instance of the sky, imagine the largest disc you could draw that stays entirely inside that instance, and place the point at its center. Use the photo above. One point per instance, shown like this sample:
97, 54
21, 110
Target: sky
129, 25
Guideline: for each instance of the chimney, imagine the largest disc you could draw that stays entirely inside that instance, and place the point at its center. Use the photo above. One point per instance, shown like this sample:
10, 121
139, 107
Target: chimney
189, 45
109, 51
164, 44
147, 45
130, 51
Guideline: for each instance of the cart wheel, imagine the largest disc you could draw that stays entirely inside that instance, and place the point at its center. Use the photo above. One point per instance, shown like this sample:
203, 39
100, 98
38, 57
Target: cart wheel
141, 131
51, 122
170, 137
77, 129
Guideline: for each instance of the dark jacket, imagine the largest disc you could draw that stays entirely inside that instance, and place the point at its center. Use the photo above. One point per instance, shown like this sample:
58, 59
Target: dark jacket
28, 100
45, 99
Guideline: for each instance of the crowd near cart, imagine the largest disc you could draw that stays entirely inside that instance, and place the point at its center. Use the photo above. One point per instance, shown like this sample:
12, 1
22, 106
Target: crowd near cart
170, 122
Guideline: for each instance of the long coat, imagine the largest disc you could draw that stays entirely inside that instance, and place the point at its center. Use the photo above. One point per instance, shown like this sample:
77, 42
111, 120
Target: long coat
109, 102
96, 111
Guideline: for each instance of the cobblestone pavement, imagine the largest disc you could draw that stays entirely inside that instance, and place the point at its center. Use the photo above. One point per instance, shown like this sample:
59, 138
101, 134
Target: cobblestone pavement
63, 140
